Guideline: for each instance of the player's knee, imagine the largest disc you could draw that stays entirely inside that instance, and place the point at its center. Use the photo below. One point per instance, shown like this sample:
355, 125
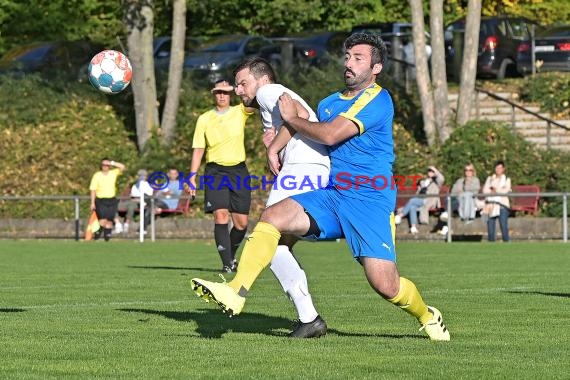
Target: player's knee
240, 222
273, 214
221, 216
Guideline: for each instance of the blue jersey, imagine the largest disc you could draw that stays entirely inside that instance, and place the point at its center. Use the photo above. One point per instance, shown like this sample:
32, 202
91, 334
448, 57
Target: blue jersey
361, 167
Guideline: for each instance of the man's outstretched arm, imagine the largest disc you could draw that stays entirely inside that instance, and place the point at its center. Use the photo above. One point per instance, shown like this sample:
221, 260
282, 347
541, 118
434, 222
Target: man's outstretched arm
338, 130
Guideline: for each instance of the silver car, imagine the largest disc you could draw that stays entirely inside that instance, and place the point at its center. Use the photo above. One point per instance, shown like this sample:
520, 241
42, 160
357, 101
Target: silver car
219, 56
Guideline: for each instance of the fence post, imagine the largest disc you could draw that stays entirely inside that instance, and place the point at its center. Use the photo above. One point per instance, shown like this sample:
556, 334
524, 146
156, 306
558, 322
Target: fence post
513, 118
398, 55
565, 217
548, 142
152, 219
141, 216
449, 214
76, 201
477, 104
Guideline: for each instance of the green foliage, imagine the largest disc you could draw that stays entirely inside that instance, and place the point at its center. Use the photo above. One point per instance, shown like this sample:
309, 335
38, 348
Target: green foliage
53, 136
102, 20
545, 12
550, 90
482, 143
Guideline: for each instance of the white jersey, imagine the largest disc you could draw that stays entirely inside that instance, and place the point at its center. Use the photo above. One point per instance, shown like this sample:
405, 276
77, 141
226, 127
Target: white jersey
300, 149
306, 163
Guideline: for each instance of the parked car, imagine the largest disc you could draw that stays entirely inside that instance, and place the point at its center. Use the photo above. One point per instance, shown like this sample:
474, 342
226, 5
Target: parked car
65, 58
219, 56
499, 39
551, 51
319, 48
389, 30
162, 46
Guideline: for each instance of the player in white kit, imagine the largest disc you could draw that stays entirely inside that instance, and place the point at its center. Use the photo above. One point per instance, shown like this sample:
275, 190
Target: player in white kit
300, 165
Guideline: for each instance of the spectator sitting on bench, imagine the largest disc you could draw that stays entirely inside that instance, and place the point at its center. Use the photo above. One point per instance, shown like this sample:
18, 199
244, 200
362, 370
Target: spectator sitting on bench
171, 194
430, 184
465, 189
141, 186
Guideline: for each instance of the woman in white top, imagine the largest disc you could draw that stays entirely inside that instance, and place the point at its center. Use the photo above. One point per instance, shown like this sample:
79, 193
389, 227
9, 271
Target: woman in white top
497, 206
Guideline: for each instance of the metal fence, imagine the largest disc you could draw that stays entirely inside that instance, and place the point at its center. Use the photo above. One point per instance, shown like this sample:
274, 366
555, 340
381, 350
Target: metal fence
79, 216
449, 197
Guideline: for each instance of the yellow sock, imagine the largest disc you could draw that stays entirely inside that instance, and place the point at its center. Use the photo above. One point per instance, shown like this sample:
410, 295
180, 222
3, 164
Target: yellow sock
410, 300
256, 255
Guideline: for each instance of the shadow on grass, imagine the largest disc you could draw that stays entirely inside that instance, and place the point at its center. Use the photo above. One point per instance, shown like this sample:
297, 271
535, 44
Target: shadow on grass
536, 292
174, 268
213, 324
11, 310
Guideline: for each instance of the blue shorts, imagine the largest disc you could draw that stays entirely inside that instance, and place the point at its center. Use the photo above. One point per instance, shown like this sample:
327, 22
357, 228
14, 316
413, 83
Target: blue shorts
367, 225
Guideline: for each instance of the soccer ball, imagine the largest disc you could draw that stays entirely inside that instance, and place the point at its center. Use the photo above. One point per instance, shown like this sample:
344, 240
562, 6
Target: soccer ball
110, 71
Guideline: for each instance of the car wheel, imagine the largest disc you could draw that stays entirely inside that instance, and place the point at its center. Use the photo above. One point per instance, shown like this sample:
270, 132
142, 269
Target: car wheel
508, 67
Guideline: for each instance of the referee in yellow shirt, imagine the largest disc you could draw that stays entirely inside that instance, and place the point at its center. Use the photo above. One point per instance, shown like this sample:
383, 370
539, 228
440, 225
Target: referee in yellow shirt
220, 134
103, 190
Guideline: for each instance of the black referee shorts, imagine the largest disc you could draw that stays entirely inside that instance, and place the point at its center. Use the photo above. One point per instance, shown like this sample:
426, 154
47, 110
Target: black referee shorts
224, 188
106, 208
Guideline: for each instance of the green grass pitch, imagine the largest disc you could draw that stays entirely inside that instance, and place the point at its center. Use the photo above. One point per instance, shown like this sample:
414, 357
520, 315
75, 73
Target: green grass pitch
125, 310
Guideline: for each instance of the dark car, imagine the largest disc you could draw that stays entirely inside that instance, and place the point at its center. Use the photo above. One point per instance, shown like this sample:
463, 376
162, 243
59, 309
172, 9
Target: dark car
499, 39
63, 58
220, 55
162, 46
391, 31
318, 49
551, 51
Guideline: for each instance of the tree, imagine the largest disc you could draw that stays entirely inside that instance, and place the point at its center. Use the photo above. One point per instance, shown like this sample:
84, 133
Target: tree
172, 101
469, 64
139, 18
422, 72
438, 70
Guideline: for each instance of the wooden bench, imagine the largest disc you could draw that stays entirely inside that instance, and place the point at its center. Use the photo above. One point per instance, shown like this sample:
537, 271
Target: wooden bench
408, 192
404, 195
443, 193
528, 203
182, 207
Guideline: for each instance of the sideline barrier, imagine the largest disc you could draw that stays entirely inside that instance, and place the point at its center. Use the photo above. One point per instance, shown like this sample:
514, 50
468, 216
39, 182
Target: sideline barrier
78, 216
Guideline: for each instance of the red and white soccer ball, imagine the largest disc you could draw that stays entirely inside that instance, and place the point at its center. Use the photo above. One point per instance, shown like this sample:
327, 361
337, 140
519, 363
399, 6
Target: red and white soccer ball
110, 71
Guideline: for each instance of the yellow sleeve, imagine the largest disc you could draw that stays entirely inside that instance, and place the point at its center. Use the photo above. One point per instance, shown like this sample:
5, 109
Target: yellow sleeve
93, 184
199, 140
244, 112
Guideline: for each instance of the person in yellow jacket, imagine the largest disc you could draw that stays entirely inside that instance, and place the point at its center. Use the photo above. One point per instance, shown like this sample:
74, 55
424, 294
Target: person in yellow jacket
103, 188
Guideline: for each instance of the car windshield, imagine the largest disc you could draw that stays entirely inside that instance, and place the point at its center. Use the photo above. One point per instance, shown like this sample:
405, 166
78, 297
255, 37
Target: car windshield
318, 39
223, 44
374, 28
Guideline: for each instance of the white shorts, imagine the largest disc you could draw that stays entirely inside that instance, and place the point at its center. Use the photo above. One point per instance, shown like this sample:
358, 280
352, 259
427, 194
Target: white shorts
296, 179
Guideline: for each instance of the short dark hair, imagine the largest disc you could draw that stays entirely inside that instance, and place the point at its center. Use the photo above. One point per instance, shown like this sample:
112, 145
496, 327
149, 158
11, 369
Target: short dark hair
377, 47
499, 162
258, 67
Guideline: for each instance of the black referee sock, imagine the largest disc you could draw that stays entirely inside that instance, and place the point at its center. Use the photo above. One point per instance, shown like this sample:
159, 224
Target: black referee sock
107, 234
223, 244
236, 237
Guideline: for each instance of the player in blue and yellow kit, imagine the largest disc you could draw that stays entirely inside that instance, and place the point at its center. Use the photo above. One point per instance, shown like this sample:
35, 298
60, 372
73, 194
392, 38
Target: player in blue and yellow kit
357, 126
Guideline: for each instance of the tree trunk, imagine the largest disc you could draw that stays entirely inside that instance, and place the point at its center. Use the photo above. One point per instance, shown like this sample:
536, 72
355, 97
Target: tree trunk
438, 70
139, 19
172, 101
469, 65
422, 72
